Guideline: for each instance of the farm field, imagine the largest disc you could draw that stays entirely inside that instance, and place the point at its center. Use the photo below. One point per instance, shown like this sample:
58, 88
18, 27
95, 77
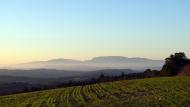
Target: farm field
154, 92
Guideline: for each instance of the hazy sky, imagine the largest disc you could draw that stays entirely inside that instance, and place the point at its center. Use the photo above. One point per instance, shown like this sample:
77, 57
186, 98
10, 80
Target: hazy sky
81, 29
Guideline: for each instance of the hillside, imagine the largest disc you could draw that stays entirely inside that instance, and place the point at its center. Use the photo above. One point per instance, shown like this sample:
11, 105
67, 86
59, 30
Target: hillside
170, 91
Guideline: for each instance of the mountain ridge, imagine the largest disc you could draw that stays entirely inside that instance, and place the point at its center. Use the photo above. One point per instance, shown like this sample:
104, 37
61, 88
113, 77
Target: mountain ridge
96, 63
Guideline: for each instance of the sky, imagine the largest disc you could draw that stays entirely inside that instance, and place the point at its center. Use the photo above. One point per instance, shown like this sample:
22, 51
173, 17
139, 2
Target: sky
81, 29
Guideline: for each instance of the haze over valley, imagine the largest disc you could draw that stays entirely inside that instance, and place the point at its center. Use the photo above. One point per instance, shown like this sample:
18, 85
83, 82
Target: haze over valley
97, 63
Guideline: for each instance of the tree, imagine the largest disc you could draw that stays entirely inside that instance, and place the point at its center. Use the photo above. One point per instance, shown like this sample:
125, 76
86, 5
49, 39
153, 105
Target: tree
151, 73
147, 71
102, 76
122, 76
173, 64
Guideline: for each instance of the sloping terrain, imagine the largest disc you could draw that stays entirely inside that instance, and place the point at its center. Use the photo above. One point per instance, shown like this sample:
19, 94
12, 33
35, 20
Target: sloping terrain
155, 92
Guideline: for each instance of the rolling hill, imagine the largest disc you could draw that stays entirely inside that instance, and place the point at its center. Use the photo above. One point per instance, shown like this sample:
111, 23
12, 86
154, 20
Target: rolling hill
39, 73
53, 73
14, 81
154, 92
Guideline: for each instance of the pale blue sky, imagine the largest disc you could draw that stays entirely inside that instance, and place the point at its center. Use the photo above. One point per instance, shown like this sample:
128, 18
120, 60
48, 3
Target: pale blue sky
81, 29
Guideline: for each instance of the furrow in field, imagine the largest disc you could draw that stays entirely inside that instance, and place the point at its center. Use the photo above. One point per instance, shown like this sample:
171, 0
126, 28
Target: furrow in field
108, 88
58, 99
65, 97
75, 97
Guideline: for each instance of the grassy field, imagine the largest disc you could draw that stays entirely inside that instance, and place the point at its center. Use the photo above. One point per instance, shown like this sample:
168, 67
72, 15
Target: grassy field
155, 92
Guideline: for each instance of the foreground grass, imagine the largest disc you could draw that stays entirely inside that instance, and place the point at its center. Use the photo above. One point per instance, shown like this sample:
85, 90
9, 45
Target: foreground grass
155, 92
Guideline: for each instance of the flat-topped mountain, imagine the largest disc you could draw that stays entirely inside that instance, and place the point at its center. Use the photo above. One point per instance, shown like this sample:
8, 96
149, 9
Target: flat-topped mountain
97, 63
118, 59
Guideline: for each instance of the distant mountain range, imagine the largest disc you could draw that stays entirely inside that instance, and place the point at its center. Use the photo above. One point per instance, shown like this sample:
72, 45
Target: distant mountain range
97, 63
